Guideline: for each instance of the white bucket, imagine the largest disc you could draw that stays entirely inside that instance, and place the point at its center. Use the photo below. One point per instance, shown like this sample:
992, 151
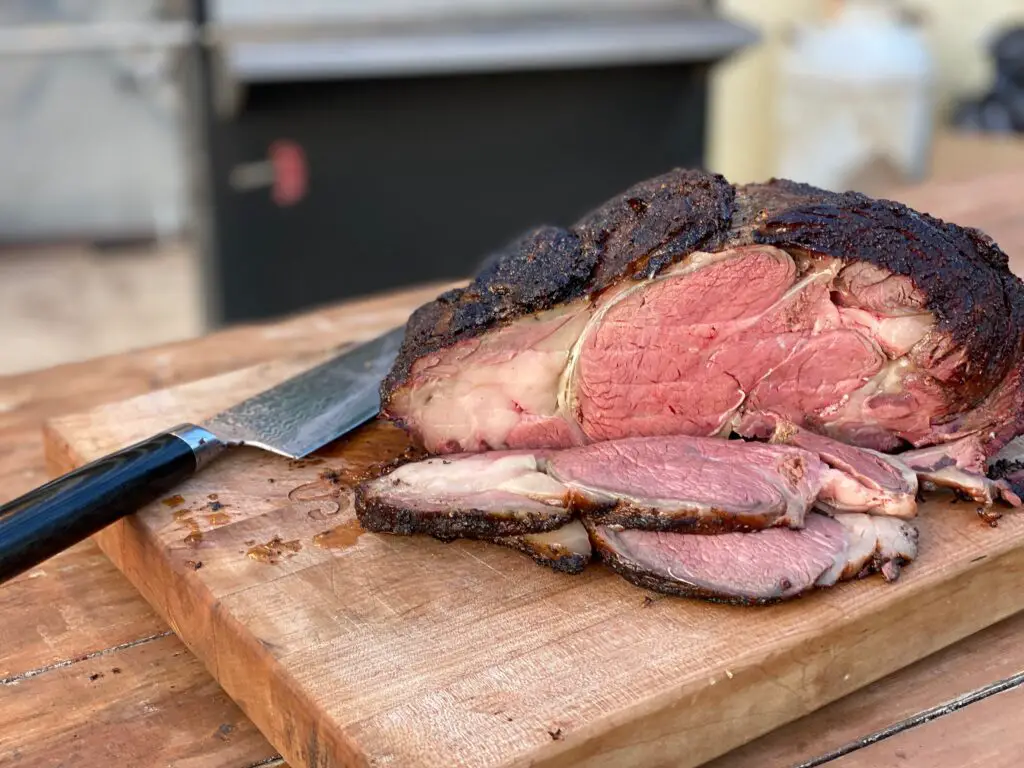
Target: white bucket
855, 106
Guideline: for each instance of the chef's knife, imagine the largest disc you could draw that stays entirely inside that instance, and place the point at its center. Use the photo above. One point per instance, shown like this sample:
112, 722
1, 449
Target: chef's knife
293, 419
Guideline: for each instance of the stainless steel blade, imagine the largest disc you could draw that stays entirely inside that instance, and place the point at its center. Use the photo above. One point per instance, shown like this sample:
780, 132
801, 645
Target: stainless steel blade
310, 410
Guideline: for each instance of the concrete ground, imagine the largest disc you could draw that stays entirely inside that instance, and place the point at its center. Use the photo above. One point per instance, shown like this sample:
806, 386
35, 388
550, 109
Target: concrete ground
60, 304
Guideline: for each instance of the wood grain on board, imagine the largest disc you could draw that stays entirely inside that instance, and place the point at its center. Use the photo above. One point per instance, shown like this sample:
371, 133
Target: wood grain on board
407, 650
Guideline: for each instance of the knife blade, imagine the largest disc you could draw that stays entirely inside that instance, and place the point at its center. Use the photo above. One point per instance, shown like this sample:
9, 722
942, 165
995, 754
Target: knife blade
293, 419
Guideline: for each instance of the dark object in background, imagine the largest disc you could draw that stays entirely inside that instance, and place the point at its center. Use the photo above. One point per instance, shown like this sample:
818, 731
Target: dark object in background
1001, 110
336, 176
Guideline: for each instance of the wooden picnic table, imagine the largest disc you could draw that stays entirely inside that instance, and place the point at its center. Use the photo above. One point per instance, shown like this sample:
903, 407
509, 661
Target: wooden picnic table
90, 676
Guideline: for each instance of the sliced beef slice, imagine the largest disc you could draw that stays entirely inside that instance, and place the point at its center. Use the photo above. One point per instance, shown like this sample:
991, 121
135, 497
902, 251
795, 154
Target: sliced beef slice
762, 567
858, 479
566, 549
1006, 470
485, 495
499, 497
961, 467
699, 485
874, 544
685, 303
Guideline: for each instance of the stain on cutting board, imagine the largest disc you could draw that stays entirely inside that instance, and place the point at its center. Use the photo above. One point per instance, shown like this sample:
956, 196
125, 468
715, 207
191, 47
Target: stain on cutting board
272, 552
342, 537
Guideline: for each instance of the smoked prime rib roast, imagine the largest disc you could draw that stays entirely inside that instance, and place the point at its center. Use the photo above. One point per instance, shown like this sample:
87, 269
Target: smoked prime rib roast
729, 392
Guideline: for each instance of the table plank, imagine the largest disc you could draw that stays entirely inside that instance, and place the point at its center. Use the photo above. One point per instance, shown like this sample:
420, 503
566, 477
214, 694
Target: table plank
987, 657
151, 703
91, 606
987, 733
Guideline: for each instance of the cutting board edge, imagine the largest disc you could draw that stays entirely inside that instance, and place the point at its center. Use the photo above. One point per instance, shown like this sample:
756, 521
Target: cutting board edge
322, 746
1002, 575
614, 734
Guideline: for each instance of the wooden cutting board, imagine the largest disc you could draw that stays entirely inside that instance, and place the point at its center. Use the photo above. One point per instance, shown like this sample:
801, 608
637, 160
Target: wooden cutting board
352, 648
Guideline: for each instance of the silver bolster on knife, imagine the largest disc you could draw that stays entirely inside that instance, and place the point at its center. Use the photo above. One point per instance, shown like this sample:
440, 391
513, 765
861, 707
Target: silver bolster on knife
205, 445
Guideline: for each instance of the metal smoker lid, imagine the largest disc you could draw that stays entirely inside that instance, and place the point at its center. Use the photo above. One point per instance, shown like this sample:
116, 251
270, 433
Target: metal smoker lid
263, 41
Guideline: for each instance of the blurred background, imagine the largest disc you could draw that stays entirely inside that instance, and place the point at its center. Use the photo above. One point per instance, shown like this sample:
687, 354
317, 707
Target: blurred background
171, 167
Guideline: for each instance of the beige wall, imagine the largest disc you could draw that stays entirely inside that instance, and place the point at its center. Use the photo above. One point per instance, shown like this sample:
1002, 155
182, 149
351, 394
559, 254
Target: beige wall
742, 140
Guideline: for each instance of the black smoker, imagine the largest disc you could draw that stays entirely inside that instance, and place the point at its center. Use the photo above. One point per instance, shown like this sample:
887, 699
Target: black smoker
373, 156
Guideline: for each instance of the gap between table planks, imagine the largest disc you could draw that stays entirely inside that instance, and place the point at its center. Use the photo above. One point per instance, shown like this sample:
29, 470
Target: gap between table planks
407, 650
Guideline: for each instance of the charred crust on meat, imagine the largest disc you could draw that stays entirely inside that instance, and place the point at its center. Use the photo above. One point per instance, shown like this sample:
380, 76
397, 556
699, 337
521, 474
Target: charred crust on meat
381, 517
636, 234
544, 267
563, 562
655, 223
1005, 469
570, 564
648, 519
961, 271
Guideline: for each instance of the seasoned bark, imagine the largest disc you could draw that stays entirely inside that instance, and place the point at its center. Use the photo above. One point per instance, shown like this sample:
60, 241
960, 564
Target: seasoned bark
543, 268
376, 513
649, 226
962, 273
566, 549
656, 223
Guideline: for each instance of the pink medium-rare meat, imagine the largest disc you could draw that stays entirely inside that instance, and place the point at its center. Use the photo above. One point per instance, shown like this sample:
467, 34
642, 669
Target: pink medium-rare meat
647, 504
763, 567
705, 350
685, 304
700, 485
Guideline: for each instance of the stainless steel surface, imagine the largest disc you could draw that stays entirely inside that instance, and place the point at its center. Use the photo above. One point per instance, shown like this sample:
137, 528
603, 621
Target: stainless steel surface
273, 12
96, 37
488, 50
441, 40
91, 98
314, 408
205, 445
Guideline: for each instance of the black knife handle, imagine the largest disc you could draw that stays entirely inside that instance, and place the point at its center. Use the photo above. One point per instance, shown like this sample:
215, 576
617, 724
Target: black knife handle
71, 508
